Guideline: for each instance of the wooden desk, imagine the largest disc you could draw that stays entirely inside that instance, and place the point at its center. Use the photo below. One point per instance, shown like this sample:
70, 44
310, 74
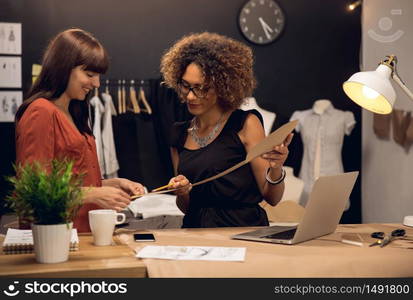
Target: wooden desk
322, 257
326, 256
89, 261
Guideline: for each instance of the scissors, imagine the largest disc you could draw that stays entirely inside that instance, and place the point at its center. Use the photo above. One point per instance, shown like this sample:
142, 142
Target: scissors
383, 239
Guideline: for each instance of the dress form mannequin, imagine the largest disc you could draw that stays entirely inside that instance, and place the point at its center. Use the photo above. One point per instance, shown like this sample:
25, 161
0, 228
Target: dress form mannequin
322, 129
268, 117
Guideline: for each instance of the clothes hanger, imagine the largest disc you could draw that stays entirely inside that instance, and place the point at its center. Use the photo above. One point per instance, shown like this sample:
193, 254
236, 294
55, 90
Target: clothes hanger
107, 86
124, 95
112, 106
142, 98
133, 99
120, 109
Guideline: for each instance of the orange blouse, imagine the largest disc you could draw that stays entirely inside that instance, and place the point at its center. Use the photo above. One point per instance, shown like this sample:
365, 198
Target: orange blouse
44, 132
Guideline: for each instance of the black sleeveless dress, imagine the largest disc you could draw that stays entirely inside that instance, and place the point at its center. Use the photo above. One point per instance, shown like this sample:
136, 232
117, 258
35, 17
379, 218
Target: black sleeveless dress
231, 200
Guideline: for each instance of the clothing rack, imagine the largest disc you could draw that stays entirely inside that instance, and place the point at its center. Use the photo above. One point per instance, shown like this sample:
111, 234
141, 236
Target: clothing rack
130, 94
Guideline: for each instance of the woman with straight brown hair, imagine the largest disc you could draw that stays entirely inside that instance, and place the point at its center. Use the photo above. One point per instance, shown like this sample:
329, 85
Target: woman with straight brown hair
53, 122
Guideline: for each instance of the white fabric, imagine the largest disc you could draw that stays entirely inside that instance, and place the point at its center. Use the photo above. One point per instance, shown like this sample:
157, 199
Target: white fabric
268, 117
98, 110
111, 165
293, 186
332, 125
155, 205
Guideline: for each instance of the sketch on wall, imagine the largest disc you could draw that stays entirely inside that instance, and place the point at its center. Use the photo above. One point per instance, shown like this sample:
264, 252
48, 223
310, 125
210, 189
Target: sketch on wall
9, 102
10, 72
11, 38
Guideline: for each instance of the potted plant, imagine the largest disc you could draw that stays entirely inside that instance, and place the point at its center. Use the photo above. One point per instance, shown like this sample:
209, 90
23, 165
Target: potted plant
48, 198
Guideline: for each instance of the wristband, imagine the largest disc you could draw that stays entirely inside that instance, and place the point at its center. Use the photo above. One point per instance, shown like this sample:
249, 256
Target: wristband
279, 180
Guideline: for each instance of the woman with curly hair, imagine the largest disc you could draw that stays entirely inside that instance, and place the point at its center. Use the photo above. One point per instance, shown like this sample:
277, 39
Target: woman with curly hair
213, 74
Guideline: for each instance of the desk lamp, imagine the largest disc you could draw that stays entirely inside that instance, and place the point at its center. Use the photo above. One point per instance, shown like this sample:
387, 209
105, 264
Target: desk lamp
373, 91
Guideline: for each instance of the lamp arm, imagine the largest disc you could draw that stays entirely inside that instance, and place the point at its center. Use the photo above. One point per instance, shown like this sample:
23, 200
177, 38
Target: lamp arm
402, 85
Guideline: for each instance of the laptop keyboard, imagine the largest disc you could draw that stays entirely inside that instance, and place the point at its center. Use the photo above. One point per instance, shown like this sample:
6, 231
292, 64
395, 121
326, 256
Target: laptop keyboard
284, 235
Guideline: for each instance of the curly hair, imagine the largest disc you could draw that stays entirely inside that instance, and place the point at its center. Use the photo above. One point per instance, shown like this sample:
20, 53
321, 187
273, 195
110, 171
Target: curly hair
226, 64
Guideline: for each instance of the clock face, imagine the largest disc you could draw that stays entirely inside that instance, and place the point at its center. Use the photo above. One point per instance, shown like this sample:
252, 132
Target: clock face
261, 21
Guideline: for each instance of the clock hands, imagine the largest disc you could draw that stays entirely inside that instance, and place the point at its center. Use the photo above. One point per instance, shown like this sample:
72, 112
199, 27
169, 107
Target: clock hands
266, 28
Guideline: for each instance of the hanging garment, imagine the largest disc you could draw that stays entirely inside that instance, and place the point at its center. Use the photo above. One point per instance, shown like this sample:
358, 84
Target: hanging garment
322, 136
401, 121
381, 125
98, 110
167, 109
111, 165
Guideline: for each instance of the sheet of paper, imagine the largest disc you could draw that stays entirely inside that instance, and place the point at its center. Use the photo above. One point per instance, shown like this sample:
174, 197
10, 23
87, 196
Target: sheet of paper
193, 253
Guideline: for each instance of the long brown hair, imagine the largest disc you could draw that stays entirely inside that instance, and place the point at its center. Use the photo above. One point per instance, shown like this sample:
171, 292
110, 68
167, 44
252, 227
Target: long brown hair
69, 49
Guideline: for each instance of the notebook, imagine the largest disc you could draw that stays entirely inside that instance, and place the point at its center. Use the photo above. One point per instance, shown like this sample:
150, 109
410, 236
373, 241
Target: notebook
18, 241
322, 213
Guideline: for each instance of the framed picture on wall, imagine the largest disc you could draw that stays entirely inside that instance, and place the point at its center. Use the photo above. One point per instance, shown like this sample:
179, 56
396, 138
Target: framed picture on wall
9, 102
11, 38
10, 72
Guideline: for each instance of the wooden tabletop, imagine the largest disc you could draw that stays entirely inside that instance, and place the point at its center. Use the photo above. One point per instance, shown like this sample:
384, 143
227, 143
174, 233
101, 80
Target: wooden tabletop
89, 261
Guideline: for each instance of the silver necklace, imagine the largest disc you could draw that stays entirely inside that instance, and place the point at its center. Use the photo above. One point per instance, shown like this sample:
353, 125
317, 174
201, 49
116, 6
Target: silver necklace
203, 141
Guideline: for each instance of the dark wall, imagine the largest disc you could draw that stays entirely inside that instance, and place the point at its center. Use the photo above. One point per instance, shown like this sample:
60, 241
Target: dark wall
316, 53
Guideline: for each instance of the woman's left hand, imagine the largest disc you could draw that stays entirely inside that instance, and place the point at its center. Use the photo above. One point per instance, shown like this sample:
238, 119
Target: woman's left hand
277, 156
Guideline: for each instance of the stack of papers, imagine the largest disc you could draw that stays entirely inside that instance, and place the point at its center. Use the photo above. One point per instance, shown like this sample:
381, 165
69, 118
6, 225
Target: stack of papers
19, 241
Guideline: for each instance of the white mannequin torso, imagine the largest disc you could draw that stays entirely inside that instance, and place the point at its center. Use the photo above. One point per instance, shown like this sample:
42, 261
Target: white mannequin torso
268, 117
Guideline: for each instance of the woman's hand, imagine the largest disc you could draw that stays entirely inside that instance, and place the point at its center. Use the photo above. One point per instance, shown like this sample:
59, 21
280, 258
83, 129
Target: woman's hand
277, 156
181, 183
126, 185
107, 197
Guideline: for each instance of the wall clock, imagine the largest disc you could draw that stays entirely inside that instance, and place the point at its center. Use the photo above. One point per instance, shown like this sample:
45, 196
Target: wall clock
261, 21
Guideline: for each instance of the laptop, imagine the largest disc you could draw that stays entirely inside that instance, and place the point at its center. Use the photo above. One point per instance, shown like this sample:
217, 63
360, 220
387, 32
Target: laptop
322, 213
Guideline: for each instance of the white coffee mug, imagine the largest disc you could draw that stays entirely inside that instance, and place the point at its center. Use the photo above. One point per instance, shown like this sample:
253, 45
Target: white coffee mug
102, 223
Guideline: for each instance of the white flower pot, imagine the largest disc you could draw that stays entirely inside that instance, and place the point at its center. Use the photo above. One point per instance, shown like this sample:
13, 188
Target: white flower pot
52, 242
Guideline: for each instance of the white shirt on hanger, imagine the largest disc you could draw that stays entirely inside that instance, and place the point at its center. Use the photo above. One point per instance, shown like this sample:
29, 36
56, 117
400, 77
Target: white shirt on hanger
111, 165
98, 110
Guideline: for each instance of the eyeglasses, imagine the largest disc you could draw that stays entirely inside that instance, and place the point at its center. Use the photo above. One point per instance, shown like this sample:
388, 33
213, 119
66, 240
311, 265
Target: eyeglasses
198, 91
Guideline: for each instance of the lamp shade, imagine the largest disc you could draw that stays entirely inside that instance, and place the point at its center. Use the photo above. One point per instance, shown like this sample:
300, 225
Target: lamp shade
372, 90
